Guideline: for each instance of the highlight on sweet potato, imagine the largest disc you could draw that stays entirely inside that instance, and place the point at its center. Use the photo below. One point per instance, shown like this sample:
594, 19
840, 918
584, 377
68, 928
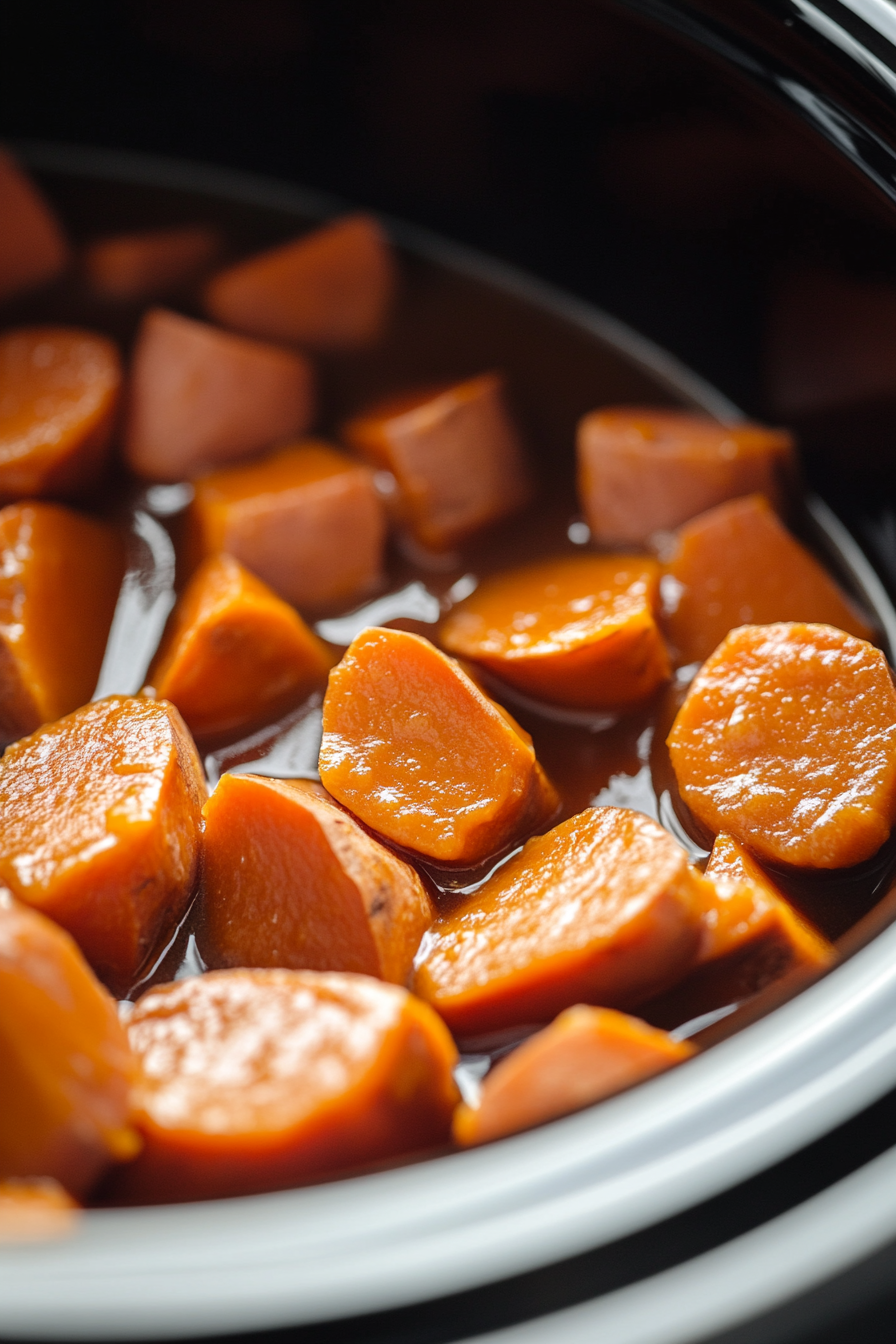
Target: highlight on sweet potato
35, 1209
33, 249
59, 389
643, 471
134, 267
738, 565
258, 1079
234, 653
307, 520
66, 1065
200, 397
585, 1055
787, 741
455, 455
329, 290
416, 750
602, 909
577, 631
101, 814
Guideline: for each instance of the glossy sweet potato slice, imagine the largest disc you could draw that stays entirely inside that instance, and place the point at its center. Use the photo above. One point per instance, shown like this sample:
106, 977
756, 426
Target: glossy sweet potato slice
577, 631
60, 574
415, 749
738, 565
643, 471
200, 397
33, 249
35, 1210
307, 520
64, 1058
787, 741
454, 453
59, 389
134, 267
258, 1079
586, 1054
330, 289
289, 879
234, 653
602, 909
101, 815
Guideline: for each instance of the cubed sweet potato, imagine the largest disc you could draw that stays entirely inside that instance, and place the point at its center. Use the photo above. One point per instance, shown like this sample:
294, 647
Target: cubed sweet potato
33, 249
135, 267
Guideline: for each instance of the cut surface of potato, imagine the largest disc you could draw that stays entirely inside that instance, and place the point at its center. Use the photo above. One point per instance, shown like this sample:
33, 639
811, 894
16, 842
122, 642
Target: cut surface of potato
33, 249
130, 267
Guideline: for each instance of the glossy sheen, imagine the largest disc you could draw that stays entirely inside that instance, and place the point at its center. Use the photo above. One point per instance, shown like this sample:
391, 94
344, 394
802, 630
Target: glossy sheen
602, 909
234, 654
787, 740
130, 267
59, 391
454, 453
253, 1080
642, 470
101, 827
307, 520
418, 752
738, 565
577, 631
33, 249
289, 879
35, 1210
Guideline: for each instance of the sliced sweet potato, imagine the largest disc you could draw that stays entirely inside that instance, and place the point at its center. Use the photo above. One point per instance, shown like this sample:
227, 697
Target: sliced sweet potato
307, 520
455, 455
578, 631
643, 471
330, 289
258, 1079
289, 879
787, 741
602, 909
415, 749
200, 397
101, 814
33, 249
134, 267
35, 1210
586, 1054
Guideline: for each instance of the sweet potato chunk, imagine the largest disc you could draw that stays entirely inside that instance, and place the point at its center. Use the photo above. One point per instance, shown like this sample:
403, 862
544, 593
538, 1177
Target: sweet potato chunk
200, 397
35, 1210
101, 815
59, 579
291, 880
258, 1079
59, 391
455, 455
600, 910
643, 471
787, 741
329, 290
234, 653
131, 267
420, 754
64, 1058
586, 1054
578, 631
738, 565
33, 249
307, 520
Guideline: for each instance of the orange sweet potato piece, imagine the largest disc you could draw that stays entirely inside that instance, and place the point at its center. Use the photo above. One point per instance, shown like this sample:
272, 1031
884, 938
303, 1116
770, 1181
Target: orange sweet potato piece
131, 267
643, 471
738, 565
578, 631
602, 909
787, 741
234, 653
33, 249
59, 389
258, 1079
415, 749
64, 1058
586, 1054
36, 1209
330, 289
455, 455
200, 397
101, 814
289, 879
60, 574
307, 520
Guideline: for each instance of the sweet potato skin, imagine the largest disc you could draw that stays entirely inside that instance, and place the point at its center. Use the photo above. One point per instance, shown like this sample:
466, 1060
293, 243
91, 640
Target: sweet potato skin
33, 248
